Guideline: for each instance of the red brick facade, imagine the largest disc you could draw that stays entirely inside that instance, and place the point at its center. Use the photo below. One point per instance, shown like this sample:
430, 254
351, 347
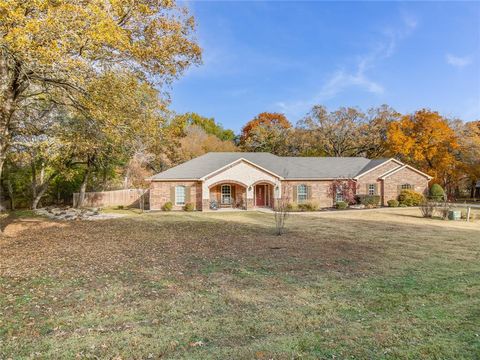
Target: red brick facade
392, 184
318, 192
388, 184
162, 192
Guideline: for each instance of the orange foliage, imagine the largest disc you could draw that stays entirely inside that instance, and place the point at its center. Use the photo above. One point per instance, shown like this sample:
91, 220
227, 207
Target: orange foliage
425, 140
265, 119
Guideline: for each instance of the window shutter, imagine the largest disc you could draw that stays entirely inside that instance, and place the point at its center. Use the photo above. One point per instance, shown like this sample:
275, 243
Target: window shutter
295, 199
366, 190
172, 194
187, 194
376, 189
399, 189
309, 192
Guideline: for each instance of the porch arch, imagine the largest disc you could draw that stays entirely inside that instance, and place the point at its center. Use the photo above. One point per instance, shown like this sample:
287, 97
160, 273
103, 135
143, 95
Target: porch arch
226, 181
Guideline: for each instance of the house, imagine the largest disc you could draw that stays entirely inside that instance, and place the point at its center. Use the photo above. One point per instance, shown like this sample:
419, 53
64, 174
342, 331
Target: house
251, 180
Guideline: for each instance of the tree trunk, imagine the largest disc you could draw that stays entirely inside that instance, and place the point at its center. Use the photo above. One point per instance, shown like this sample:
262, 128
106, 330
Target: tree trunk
41, 189
11, 195
83, 186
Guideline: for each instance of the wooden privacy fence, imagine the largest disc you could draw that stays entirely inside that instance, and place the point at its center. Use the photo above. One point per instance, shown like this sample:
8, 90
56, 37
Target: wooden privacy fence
127, 197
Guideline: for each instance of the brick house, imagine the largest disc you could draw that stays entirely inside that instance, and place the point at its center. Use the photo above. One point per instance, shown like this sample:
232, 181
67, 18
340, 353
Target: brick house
251, 180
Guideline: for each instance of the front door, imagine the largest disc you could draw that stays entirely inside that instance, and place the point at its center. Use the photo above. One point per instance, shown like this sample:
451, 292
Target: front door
260, 195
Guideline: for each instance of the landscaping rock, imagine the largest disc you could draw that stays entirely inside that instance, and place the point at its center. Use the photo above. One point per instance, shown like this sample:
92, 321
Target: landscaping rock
71, 214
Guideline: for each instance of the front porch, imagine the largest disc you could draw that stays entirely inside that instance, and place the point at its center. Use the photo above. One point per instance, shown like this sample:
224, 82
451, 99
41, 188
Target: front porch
230, 195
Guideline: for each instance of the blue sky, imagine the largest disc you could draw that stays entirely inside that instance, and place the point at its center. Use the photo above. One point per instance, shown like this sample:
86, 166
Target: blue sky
287, 56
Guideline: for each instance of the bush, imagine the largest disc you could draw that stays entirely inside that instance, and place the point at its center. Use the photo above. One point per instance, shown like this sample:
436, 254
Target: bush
437, 193
307, 207
402, 205
291, 207
341, 205
189, 207
167, 206
428, 208
393, 203
410, 198
368, 200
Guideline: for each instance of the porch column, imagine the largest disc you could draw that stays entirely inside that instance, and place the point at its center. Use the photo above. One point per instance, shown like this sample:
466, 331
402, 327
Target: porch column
205, 197
249, 195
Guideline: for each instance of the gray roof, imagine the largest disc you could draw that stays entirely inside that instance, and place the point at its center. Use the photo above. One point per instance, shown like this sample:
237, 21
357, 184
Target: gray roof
286, 167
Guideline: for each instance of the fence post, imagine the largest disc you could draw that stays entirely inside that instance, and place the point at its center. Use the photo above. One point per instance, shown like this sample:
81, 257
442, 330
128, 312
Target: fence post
468, 213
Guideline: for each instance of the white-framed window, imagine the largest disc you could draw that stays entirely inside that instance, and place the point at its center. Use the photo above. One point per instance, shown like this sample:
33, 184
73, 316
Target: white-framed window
226, 192
407, 187
372, 189
180, 195
302, 193
338, 194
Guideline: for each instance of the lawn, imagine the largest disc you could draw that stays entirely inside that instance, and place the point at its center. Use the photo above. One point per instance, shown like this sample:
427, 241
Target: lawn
353, 284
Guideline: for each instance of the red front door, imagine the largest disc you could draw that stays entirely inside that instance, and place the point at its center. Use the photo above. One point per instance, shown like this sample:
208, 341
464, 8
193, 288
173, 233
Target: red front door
260, 195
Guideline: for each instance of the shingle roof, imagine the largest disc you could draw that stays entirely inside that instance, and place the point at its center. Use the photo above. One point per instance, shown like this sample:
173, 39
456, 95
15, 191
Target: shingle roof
286, 167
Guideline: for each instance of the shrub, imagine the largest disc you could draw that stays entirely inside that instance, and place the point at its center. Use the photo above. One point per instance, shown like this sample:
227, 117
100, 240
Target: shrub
427, 208
189, 207
410, 198
291, 207
120, 207
402, 205
167, 206
307, 207
393, 203
437, 193
341, 205
368, 200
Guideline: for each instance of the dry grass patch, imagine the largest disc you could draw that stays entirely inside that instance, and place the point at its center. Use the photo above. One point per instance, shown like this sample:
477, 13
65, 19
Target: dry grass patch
221, 285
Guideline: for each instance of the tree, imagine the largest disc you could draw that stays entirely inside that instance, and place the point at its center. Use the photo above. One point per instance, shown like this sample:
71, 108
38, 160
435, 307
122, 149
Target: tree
469, 142
197, 142
181, 123
347, 188
118, 112
51, 50
425, 140
266, 132
346, 131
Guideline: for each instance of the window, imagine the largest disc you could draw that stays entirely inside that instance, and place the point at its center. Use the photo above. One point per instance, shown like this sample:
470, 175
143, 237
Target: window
338, 194
179, 195
372, 189
226, 194
302, 193
407, 187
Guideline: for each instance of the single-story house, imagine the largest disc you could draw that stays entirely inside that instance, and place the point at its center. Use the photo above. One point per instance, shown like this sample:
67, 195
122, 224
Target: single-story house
251, 180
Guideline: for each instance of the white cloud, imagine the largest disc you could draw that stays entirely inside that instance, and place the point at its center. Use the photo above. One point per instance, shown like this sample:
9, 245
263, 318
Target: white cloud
458, 61
358, 77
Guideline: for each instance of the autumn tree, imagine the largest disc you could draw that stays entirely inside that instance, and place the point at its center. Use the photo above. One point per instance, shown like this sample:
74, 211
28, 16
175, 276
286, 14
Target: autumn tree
469, 142
425, 140
182, 122
198, 142
119, 112
51, 50
267, 132
345, 132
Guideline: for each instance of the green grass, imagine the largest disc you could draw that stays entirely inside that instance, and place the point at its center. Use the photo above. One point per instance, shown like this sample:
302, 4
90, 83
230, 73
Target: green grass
361, 285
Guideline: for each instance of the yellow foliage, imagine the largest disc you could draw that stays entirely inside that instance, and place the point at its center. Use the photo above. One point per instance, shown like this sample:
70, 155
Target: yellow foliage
425, 140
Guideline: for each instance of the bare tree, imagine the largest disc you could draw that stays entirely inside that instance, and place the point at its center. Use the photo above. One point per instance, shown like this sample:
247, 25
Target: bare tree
281, 211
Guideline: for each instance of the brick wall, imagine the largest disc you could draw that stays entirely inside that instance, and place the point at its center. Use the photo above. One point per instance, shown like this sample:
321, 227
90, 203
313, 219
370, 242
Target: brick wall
319, 192
372, 177
160, 193
405, 176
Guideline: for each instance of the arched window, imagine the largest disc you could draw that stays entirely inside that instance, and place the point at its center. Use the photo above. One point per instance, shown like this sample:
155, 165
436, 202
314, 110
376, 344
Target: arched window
407, 187
302, 193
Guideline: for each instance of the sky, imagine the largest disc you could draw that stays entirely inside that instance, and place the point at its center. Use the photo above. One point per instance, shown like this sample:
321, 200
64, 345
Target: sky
281, 56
